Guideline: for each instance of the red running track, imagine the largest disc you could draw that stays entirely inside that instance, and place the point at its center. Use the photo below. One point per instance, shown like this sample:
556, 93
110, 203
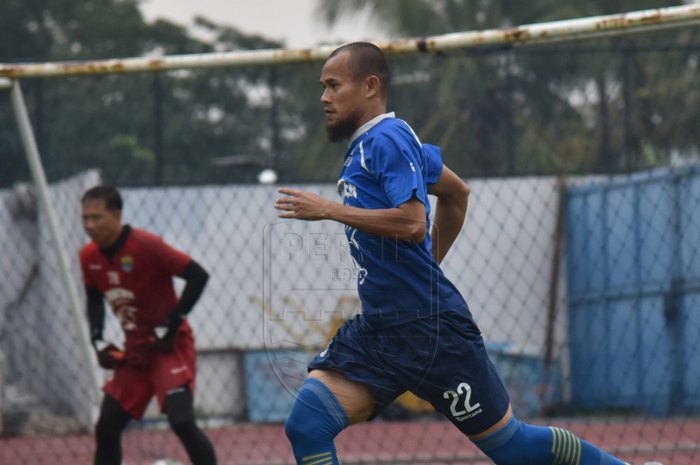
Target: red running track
674, 442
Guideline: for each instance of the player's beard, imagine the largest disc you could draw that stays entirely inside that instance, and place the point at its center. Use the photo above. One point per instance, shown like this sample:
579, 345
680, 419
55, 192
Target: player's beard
341, 130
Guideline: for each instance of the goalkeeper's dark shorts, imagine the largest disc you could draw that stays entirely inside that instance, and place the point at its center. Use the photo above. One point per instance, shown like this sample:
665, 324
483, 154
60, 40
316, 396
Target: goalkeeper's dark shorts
441, 360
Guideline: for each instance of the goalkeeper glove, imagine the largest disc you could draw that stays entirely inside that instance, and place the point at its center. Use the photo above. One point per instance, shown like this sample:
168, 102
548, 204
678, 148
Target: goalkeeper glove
166, 334
108, 355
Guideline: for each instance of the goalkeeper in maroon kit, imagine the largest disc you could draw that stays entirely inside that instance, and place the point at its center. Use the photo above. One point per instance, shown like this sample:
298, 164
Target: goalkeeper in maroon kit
133, 269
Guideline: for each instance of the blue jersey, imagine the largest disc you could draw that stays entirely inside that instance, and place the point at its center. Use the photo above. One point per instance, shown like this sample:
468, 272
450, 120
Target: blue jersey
398, 281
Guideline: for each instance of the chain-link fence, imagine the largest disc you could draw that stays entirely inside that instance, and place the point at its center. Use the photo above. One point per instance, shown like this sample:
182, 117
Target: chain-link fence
578, 257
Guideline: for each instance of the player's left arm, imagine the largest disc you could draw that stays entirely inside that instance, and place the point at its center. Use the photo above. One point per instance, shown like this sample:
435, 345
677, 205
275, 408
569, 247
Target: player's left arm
450, 210
177, 263
405, 222
196, 278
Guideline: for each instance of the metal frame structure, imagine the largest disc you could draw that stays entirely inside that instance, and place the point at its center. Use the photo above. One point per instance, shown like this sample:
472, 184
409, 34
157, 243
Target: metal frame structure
555, 31
44, 196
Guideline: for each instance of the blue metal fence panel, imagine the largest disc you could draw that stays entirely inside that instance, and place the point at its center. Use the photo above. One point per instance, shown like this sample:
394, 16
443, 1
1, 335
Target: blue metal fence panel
633, 278
691, 357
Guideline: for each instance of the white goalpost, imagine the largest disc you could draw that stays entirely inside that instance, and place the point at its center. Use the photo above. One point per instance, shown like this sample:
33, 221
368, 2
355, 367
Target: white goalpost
45, 202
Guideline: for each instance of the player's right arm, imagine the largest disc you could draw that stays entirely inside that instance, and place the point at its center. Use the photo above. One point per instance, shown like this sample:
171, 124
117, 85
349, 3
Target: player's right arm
450, 210
95, 312
405, 222
109, 355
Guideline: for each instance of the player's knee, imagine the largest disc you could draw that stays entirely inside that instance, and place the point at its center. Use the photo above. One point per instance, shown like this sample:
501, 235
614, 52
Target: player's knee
316, 416
182, 424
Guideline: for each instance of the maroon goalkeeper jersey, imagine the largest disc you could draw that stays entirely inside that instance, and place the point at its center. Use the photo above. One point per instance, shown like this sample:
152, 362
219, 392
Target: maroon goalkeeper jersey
137, 282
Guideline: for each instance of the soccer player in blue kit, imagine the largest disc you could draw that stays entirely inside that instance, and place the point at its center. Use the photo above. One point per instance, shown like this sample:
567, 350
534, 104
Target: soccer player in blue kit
416, 332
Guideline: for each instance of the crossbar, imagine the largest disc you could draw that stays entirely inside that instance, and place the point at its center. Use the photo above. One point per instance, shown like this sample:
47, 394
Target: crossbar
595, 26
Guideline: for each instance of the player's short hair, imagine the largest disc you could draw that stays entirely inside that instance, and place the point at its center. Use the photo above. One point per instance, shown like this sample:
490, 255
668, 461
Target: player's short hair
112, 198
366, 59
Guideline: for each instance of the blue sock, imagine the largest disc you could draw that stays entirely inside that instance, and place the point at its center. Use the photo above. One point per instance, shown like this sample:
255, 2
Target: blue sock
522, 444
314, 422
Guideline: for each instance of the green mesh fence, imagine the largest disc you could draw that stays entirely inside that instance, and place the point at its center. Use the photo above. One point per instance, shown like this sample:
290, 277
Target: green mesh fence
578, 257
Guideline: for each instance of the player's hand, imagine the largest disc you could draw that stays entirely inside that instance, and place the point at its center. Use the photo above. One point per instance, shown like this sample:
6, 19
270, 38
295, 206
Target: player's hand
164, 340
108, 355
166, 334
302, 205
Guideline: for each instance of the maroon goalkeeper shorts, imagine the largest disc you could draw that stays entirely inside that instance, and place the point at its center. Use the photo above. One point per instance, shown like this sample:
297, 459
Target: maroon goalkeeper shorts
134, 386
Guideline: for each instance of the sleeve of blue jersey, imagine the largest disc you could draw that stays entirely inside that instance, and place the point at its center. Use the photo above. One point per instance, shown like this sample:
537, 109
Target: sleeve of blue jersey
433, 163
397, 158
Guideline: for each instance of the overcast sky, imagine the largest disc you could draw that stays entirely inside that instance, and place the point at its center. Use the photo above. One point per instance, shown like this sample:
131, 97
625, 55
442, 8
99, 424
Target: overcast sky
291, 21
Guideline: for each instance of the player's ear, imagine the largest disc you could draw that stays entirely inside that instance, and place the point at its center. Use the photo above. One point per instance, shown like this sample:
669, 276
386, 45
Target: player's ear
372, 86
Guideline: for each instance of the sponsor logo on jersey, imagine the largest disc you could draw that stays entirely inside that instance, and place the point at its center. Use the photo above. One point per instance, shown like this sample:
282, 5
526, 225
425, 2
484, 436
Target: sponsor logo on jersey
119, 294
325, 351
94, 266
126, 314
127, 263
349, 190
178, 369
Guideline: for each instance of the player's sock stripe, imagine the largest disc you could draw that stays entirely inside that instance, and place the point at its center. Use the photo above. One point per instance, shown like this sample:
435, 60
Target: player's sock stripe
570, 444
557, 445
578, 451
563, 445
319, 460
322, 459
312, 457
566, 447
325, 461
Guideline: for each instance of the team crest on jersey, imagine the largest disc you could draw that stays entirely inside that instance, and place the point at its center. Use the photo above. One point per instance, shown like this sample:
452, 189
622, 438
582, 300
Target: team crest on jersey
349, 159
127, 263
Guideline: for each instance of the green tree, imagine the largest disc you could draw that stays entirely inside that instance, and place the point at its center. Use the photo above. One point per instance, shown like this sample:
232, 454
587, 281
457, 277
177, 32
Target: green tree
144, 128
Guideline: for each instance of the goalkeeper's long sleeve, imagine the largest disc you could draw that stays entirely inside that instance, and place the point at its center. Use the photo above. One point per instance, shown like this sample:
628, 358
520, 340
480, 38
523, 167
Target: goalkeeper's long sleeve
196, 278
95, 312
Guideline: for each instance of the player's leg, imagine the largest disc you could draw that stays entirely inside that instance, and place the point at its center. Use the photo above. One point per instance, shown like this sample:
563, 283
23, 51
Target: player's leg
354, 397
327, 403
179, 408
127, 395
173, 379
517, 443
348, 383
466, 388
108, 432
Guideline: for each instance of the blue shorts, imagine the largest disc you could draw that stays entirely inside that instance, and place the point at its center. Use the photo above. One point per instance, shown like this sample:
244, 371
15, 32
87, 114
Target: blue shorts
441, 360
